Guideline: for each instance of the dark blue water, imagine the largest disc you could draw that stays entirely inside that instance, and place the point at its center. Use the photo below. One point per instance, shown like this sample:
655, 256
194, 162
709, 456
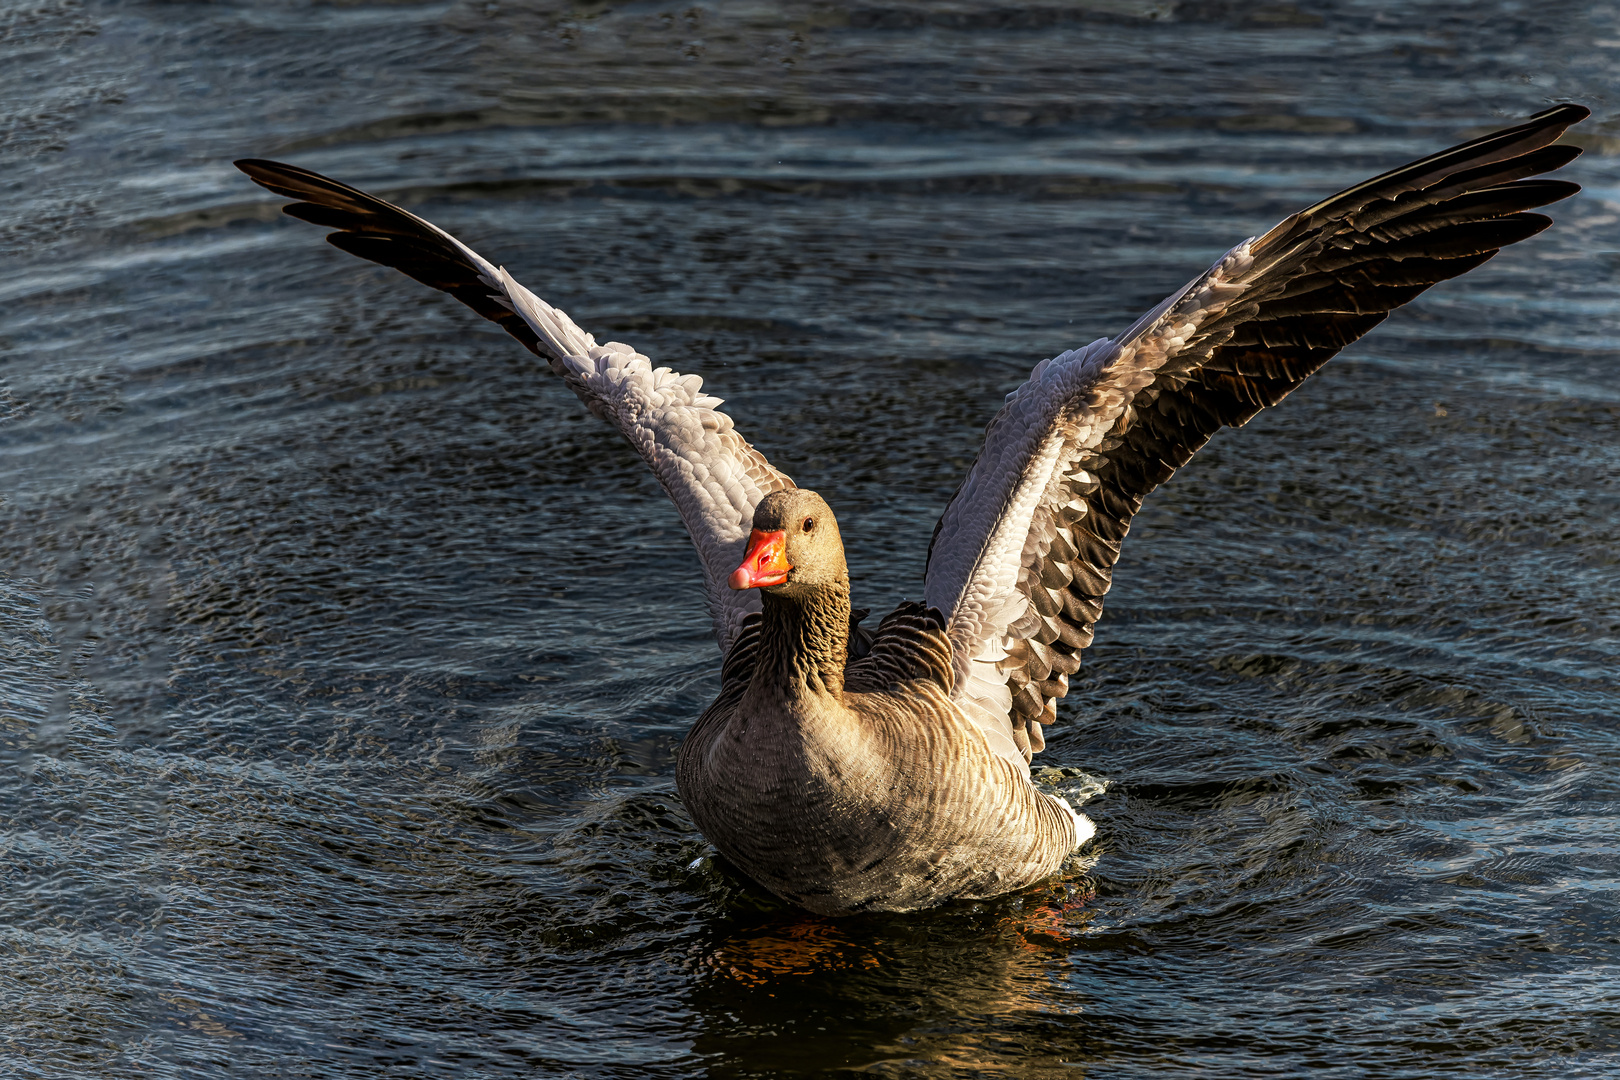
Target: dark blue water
345, 657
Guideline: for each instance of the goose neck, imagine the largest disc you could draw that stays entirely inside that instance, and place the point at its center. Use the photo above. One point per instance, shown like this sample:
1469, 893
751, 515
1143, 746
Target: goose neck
804, 640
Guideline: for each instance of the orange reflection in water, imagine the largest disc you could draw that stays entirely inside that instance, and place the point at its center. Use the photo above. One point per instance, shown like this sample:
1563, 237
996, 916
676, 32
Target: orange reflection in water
1048, 916
807, 945
1042, 918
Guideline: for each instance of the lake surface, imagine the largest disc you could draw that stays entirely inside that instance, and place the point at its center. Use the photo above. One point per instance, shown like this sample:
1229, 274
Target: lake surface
346, 657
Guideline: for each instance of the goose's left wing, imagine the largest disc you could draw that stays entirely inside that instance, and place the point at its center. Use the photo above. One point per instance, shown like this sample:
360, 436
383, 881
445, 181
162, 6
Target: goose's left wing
710, 472
1025, 551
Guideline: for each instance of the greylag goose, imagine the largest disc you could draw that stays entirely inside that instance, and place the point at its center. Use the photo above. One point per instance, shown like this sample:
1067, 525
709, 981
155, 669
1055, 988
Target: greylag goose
892, 774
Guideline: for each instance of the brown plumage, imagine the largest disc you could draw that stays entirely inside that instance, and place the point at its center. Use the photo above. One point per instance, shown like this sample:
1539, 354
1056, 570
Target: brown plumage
849, 786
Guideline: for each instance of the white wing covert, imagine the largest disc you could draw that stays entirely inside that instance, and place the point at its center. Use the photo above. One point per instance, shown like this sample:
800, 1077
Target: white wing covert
1024, 553
710, 472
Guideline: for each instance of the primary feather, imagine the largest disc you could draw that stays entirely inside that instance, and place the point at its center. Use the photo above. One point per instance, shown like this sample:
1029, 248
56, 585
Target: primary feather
710, 472
1024, 553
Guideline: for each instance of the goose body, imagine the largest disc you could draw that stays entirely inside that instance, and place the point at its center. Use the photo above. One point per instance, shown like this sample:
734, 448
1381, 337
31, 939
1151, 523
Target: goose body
891, 772
885, 792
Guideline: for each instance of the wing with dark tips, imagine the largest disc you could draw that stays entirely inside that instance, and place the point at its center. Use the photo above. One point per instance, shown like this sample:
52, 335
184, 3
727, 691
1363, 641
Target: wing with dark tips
1025, 552
711, 473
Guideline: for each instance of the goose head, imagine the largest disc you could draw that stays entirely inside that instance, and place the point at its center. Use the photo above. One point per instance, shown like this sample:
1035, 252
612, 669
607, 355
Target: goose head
795, 545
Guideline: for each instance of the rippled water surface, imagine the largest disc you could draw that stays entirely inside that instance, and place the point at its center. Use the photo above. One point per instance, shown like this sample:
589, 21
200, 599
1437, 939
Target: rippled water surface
345, 657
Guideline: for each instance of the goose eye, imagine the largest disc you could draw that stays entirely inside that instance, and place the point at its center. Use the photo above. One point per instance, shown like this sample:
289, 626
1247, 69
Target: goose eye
809, 523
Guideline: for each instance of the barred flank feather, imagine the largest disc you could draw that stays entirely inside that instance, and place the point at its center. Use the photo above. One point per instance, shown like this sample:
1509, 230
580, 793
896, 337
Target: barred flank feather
909, 646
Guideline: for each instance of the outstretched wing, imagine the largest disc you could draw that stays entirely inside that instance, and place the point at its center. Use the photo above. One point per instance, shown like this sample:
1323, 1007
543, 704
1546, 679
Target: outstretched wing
714, 477
1025, 551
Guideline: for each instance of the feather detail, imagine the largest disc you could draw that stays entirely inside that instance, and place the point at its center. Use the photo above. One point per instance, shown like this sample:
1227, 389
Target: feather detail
710, 472
1024, 553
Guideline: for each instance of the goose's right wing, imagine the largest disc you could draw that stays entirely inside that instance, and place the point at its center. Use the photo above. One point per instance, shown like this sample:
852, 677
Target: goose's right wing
1025, 551
711, 473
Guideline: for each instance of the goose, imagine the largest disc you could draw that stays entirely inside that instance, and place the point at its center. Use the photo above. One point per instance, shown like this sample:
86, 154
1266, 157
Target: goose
848, 771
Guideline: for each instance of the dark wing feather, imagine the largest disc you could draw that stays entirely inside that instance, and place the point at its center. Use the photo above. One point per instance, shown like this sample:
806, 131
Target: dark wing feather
384, 233
1024, 554
710, 472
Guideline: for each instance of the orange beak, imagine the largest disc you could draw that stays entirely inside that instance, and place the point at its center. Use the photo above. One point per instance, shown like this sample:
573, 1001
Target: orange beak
766, 562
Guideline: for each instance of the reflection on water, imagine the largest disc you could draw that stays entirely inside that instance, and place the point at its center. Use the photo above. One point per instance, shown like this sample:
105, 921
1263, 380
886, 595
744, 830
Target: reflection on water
346, 659
961, 989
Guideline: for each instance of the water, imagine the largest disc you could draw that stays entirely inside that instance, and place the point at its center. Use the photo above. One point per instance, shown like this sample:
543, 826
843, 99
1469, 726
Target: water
346, 658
